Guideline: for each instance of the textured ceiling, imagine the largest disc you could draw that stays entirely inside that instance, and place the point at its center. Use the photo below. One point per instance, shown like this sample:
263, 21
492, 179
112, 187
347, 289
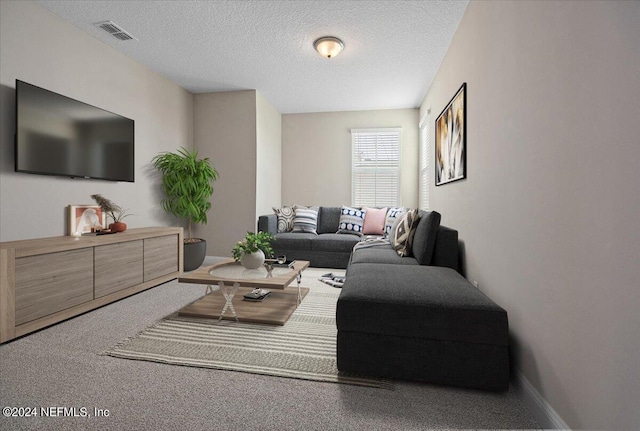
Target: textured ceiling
392, 48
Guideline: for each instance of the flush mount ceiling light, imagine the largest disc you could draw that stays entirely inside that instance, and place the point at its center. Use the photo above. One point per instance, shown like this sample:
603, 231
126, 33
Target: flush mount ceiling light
328, 46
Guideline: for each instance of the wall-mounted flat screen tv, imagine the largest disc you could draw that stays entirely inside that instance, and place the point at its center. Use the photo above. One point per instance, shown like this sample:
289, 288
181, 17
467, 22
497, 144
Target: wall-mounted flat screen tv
57, 135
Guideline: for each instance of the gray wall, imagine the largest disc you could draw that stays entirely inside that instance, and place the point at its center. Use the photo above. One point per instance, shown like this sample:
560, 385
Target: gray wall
225, 131
38, 47
549, 212
316, 154
268, 156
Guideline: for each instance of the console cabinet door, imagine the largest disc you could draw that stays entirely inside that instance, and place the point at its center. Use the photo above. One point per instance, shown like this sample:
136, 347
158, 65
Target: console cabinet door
117, 267
160, 256
48, 283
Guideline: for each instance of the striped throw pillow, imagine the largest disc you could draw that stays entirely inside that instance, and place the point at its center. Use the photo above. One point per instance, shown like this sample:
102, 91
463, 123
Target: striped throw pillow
305, 220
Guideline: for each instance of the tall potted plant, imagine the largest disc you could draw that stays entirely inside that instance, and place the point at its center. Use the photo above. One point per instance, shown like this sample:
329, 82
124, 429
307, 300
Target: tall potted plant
187, 182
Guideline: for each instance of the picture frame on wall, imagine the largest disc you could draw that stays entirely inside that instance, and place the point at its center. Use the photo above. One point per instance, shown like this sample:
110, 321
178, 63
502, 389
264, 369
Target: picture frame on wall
86, 219
451, 139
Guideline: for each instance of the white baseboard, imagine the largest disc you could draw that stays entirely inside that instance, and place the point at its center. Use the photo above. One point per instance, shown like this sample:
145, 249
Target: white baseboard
541, 410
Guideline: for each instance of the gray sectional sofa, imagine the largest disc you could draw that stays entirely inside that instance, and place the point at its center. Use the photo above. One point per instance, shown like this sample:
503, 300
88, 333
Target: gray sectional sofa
329, 249
410, 318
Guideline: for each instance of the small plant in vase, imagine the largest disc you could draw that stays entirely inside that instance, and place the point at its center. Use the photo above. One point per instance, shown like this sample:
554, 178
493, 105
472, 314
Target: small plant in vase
253, 249
114, 211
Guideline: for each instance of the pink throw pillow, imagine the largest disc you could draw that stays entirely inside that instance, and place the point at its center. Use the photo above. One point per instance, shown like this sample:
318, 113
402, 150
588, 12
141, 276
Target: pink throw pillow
374, 221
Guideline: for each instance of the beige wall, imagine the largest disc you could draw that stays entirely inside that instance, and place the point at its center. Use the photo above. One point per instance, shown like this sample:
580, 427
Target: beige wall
268, 156
38, 47
316, 154
225, 131
549, 212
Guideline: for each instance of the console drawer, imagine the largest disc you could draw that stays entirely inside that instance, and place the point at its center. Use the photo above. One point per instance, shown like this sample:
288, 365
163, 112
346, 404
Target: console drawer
52, 282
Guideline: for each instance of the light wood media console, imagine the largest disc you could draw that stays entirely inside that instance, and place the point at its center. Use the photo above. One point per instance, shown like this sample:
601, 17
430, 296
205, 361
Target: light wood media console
44, 281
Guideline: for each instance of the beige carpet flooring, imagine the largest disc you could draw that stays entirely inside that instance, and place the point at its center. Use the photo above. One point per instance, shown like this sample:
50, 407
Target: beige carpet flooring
62, 366
304, 348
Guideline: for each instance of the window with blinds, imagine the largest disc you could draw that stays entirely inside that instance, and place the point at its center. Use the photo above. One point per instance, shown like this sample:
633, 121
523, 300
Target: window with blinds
375, 167
425, 148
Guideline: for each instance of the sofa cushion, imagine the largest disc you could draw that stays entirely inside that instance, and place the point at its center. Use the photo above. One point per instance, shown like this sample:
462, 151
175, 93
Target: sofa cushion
404, 232
418, 301
293, 241
334, 242
305, 220
285, 218
392, 215
351, 220
328, 219
424, 239
374, 219
380, 254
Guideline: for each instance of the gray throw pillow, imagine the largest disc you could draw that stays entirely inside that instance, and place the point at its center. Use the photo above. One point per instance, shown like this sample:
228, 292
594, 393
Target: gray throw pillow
404, 232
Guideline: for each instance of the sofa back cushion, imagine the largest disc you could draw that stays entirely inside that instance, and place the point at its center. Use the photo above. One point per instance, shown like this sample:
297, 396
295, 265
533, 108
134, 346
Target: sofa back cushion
328, 219
425, 237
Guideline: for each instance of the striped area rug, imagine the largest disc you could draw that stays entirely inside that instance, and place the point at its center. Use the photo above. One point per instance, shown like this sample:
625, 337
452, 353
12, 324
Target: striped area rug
304, 348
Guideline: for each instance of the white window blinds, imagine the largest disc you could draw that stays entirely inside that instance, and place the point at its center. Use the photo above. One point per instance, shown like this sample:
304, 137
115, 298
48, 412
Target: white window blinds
425, 148
375, 167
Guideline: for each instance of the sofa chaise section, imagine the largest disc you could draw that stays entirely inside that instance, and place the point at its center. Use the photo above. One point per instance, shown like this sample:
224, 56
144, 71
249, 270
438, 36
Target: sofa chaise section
423, 323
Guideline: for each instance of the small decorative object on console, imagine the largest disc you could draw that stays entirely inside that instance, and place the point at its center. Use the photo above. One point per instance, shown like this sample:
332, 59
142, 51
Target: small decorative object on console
114, 211
86, 219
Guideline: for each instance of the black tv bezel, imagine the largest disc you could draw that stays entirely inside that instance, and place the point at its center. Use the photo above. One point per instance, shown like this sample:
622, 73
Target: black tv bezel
62, 174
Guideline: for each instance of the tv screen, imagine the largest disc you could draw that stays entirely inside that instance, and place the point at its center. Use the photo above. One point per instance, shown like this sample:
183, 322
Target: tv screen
57, 135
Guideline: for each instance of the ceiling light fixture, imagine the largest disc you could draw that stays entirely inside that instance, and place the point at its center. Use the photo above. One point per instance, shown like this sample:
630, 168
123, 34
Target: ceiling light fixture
328, 46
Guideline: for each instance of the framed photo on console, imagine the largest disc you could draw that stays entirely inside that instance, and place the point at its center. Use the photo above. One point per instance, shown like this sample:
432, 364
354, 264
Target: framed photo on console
86, 219
451, 139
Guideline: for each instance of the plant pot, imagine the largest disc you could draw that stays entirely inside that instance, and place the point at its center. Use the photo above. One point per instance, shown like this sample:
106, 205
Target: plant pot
253, 260
194, 253
118, 226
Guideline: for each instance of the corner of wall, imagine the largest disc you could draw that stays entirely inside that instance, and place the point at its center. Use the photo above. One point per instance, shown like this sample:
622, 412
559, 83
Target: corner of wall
545, 415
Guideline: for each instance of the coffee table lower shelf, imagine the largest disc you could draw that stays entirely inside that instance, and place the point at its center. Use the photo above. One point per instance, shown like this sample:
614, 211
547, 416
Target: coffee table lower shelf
275, 309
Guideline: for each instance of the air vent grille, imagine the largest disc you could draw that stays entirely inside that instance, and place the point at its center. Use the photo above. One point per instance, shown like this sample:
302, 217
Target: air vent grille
114, 30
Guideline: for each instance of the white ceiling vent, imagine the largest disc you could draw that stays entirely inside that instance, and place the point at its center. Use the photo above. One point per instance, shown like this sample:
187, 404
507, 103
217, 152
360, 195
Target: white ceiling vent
114, 30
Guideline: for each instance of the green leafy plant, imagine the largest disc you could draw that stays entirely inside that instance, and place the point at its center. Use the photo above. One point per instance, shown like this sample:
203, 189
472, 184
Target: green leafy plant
187, 182
252, 243
116, 212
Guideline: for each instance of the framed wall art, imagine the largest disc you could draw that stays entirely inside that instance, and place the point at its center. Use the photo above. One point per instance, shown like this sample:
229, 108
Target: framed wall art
451, 139
85, 219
